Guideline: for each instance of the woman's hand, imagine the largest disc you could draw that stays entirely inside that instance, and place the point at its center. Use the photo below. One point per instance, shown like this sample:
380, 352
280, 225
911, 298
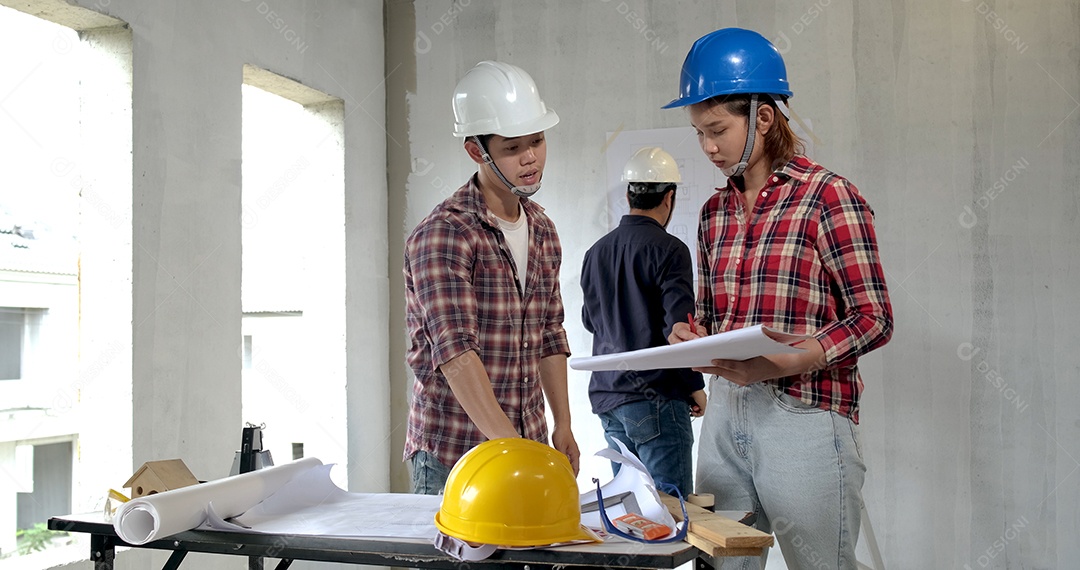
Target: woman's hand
744, 372
769, 367
681, 332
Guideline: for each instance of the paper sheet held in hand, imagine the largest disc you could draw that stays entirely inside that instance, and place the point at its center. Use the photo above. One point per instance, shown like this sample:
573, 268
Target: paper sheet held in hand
741, 344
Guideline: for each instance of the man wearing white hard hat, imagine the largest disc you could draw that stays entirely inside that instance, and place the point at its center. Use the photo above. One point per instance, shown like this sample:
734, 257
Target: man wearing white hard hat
484, 311
637, 282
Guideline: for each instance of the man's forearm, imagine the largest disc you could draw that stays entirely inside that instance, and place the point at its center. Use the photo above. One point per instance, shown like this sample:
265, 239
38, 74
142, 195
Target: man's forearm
553, 380
472, 387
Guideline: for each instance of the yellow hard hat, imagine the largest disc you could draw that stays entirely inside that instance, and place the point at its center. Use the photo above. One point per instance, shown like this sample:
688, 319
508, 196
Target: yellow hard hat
512, 492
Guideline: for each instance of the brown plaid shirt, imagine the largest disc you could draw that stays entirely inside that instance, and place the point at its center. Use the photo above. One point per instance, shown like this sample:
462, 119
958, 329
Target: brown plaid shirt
461, 294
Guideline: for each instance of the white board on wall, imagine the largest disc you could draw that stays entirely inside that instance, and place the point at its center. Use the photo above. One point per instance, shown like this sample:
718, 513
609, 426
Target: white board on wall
700, 177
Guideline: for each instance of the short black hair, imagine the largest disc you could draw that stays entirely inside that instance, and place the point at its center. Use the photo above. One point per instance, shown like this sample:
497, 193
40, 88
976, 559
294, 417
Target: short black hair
647, 195
484, 140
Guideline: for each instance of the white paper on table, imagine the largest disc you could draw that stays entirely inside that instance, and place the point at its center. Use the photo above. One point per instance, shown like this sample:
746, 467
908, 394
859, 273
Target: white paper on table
740, 344
296, 498
633, 477
142, 520
313, 504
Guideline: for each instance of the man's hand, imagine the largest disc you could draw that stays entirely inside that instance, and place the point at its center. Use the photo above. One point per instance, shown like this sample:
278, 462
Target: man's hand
563, 440
697, 409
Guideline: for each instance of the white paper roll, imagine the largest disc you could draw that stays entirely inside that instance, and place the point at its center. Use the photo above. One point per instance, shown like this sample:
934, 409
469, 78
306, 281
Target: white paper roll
156, 516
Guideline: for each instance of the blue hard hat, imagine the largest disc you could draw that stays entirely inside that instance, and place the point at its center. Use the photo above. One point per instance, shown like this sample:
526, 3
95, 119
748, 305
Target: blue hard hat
730, 61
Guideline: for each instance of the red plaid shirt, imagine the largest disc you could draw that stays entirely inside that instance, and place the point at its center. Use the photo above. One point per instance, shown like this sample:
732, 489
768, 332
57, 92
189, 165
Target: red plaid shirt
806, 263
461, 294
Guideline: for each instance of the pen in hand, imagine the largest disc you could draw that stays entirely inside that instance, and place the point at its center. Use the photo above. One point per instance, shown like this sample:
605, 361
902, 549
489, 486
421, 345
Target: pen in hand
690, 321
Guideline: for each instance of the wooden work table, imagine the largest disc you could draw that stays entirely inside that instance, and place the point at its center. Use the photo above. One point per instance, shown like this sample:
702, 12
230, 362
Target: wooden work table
710, 535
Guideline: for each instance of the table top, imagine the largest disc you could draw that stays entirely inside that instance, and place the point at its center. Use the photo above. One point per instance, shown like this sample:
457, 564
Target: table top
613, 553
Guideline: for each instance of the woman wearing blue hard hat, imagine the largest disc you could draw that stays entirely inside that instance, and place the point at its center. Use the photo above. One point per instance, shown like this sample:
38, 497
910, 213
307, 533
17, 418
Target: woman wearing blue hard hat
789, 245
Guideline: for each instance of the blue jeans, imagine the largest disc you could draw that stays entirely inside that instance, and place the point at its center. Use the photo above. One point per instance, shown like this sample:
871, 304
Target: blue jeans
799, 468
428, 474
658, 432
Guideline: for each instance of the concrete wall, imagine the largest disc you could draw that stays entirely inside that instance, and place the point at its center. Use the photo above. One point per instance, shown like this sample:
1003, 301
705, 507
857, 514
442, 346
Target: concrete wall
957, 120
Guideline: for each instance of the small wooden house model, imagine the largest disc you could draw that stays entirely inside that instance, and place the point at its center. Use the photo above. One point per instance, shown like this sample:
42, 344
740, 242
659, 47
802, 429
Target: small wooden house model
159, 476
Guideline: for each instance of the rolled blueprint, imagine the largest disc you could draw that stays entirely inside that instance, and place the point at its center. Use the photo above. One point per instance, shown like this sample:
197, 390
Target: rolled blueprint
156, 516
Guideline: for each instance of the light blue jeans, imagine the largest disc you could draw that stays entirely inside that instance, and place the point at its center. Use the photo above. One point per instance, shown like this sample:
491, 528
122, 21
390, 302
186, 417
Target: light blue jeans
658, 432
428, 474
799, 468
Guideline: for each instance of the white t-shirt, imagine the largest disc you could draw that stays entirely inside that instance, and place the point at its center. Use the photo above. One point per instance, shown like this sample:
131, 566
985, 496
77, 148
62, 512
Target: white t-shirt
517, 239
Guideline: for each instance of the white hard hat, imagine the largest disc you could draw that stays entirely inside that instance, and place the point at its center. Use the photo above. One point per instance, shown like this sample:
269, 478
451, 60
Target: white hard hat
501, 99
651, 164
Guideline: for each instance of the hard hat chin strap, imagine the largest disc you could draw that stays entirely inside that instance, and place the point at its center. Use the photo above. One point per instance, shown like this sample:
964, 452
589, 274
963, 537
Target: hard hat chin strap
671, 210
462, 550
751, 131
521, 191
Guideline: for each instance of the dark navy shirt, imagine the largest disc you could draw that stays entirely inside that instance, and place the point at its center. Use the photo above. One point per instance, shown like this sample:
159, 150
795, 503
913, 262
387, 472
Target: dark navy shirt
637, 282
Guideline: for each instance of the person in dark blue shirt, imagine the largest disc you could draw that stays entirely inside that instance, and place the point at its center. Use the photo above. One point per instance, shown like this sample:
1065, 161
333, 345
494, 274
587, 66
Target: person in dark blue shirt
638, 282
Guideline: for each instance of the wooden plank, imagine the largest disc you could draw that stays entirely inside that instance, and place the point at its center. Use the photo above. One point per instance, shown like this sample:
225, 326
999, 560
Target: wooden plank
742, 551
717, 529
702, 544
716, 550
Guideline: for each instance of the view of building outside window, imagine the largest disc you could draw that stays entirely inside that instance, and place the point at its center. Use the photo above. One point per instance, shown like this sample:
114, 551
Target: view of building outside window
293, 276
39, 132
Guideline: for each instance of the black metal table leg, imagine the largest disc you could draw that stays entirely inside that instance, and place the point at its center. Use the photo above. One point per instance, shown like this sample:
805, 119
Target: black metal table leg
174, 560
102, 551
